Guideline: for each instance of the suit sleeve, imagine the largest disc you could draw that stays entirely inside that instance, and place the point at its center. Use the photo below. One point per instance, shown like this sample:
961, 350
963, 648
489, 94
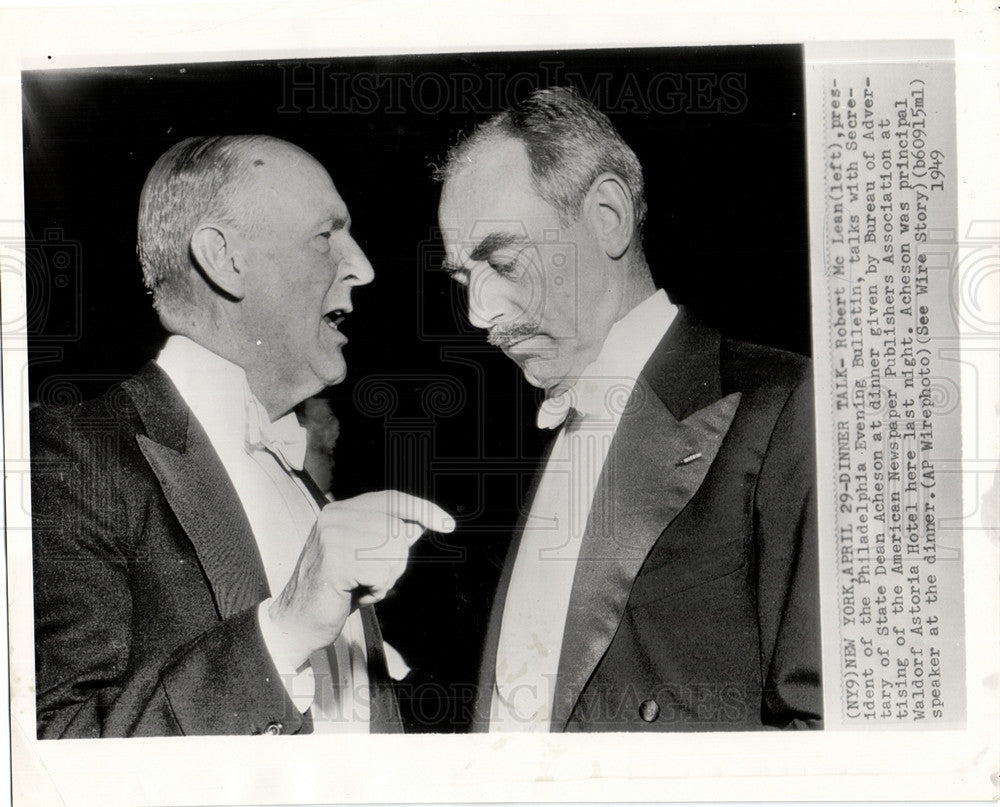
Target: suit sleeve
89, 681
788, 584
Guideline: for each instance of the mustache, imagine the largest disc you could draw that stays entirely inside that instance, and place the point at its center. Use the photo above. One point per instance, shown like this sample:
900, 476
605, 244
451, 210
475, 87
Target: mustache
507, 335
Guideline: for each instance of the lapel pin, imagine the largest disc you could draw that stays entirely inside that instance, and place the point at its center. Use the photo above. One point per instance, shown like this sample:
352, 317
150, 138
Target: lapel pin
690, 458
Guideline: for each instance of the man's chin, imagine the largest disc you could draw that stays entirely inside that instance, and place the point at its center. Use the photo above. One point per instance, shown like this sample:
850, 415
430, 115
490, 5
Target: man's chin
535, 382
336, 378
333, 373
537, 376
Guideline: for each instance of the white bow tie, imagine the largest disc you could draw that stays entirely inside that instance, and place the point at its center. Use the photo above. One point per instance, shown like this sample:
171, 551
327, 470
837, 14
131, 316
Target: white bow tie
585, 398
602, 399
565, 407
284, 438
553, 411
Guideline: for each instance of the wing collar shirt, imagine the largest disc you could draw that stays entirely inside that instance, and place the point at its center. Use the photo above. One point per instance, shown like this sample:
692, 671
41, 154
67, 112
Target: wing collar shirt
261, 459
534, 615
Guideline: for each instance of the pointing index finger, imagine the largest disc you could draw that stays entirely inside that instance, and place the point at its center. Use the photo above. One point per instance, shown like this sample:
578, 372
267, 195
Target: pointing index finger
404, 506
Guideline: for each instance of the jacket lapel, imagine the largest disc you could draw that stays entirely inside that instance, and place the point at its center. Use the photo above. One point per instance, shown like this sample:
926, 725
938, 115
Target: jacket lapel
197, 487
668, 437
198, 490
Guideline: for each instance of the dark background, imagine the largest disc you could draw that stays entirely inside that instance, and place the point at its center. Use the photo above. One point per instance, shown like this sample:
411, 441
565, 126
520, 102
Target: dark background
428, 407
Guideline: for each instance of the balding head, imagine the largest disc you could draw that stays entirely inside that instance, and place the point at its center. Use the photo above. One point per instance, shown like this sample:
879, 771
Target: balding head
199, 180
246, 245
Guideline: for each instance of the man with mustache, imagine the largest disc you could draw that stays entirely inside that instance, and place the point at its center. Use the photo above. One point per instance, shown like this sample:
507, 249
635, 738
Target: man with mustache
189, 578
665, 577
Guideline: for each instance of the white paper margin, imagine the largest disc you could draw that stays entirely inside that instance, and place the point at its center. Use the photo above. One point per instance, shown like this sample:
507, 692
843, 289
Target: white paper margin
770, 766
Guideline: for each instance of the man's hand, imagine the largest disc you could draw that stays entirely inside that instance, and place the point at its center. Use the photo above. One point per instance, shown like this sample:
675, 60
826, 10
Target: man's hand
356, 552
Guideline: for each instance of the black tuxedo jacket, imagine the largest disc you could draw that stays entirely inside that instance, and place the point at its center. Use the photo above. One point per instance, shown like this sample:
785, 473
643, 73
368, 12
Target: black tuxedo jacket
695, 604
147, 580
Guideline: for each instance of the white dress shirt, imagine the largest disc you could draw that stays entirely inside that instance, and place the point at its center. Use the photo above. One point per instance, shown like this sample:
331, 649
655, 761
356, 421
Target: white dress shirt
534, 615
281, 512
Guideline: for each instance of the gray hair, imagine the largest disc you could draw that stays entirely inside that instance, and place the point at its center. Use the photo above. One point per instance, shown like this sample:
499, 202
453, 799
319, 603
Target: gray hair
570, 143
196, 180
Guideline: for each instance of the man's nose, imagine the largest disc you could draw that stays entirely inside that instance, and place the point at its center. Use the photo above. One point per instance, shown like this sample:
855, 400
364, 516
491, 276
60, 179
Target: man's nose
490, 300
354, 268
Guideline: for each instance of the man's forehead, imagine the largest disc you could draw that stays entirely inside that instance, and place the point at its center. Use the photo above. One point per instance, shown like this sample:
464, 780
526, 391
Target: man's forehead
269, 153
281, 171
503, 218
467, 218
495, 168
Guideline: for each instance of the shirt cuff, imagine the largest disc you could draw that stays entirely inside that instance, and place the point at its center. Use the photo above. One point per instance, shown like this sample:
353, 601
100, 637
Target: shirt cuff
298, 681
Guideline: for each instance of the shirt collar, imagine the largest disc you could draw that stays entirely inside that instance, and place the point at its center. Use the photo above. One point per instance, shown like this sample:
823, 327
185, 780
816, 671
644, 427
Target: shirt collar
217, 392
605, 385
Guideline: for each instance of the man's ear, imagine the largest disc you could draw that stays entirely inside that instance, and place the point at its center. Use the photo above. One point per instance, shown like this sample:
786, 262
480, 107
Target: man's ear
215, 256
610, 213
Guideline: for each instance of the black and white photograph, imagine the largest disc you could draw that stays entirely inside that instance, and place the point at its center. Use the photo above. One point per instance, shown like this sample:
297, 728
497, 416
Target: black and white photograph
488, 397
651, 564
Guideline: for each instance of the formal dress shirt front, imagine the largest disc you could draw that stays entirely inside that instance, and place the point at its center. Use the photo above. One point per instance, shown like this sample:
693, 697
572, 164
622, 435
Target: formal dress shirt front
538, 597
262, 460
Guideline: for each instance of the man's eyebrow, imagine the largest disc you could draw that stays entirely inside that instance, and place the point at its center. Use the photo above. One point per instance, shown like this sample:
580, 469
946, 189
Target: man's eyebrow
492, 242
486, 247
